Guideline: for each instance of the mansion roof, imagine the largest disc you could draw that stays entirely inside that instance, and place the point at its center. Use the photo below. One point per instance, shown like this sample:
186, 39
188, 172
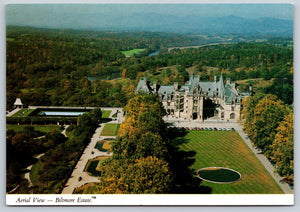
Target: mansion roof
194, 85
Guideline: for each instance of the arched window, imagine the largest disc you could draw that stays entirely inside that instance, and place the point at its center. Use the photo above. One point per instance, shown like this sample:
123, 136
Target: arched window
232, 115
222, 115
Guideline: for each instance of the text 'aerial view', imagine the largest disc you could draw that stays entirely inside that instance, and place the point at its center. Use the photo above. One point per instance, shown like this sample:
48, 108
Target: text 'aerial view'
169, 99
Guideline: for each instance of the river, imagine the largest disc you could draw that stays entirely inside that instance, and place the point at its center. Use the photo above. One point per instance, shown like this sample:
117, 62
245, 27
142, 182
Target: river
154, 53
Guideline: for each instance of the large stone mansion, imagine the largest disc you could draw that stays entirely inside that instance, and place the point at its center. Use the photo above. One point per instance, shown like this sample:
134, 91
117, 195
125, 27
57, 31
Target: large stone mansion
191, 101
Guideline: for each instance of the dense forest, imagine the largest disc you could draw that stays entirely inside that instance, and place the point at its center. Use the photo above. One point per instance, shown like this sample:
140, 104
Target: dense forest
88, 68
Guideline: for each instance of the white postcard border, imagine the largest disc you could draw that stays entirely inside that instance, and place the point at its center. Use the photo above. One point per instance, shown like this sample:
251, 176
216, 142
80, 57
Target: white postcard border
145, 199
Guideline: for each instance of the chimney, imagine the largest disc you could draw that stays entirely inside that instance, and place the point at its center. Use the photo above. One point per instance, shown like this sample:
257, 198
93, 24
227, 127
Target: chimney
175, 86
233, 84
154, 87
215, 79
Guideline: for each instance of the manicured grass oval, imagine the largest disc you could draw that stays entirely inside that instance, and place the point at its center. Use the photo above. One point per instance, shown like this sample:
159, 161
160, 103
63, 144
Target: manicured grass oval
219, 175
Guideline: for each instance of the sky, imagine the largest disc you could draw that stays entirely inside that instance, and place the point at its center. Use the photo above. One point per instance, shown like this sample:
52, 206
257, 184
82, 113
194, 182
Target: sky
53, 15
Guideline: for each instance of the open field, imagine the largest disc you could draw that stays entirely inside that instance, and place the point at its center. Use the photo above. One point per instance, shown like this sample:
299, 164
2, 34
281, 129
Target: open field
227, 149
133, 51
110, 130
41, 128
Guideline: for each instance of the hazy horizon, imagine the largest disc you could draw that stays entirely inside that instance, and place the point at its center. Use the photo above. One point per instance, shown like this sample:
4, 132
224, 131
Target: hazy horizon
79, 16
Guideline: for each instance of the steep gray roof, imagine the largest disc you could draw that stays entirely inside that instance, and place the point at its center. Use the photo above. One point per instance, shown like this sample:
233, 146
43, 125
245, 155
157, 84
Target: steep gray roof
231, 95
144, 86
227, 92
165, 90
209, 87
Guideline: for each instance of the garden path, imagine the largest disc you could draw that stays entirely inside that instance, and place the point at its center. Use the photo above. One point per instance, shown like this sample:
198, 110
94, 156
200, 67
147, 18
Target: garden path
79, 177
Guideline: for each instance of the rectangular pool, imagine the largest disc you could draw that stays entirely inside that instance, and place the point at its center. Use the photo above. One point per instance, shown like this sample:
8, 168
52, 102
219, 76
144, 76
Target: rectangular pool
60, 113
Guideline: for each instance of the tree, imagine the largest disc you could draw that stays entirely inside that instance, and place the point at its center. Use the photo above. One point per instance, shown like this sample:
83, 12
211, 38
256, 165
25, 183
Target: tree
144, 176
283, 147
248, 107
268, 113
137, 146
124, 73
96, 115
141, 109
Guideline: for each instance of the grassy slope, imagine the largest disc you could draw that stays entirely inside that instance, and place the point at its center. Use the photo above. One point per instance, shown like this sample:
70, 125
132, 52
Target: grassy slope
258, 84
110, 130
227, 149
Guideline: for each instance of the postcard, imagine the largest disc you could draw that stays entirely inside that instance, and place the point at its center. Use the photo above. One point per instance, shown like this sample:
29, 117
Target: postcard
149, 104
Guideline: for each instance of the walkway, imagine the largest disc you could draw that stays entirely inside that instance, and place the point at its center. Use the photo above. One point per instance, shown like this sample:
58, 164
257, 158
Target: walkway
27, 174
228, 125
89, 153
13, 112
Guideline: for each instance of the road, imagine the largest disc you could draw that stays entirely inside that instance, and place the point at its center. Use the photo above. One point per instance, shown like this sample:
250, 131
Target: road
203, 45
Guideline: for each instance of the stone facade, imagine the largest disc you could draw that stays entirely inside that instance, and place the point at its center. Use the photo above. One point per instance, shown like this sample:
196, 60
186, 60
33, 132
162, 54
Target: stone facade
189, 101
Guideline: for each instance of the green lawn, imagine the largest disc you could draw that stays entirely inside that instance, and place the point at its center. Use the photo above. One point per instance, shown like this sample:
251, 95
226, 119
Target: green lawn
110, 130
106, 113
133, 51
41, 128
227, 149
23, 112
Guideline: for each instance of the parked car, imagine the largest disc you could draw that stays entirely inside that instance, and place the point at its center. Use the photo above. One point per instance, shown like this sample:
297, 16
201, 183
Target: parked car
210, 128
232, 129
215, 128
224, 129
205, 128
187, 128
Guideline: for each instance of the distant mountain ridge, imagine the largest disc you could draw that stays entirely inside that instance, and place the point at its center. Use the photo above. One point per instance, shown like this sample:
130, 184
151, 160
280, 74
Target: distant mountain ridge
175, 24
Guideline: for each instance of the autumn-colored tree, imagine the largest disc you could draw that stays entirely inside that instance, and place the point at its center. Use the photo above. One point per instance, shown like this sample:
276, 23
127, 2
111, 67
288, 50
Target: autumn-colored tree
149, 106
268, 113
139, 146
143, 176
248, 107
283, 147
124, 73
